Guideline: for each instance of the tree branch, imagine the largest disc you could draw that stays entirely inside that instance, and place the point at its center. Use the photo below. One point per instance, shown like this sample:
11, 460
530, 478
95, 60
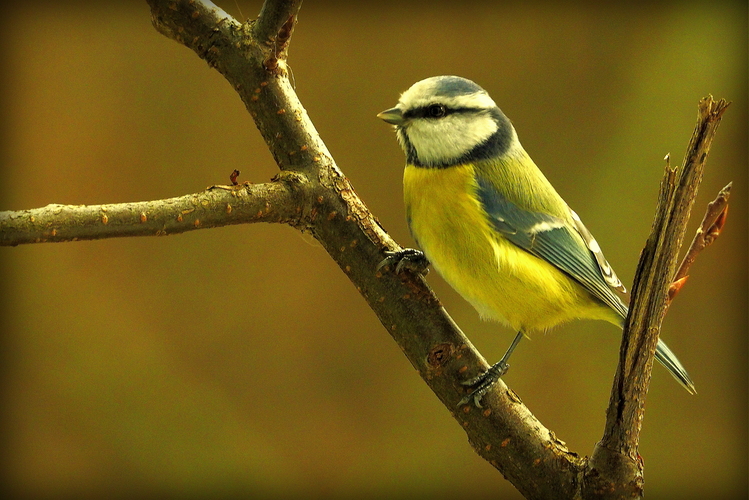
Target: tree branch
274, 27
278, 201
615, 468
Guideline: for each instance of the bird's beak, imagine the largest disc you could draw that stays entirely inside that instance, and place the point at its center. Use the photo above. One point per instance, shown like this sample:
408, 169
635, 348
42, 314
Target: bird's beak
393, 116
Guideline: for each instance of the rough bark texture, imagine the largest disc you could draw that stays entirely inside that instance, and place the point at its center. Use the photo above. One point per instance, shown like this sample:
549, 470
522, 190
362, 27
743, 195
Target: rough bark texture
615, 468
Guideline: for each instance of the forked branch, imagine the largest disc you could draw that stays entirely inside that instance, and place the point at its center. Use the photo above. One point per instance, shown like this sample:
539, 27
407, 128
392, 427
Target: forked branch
615, 468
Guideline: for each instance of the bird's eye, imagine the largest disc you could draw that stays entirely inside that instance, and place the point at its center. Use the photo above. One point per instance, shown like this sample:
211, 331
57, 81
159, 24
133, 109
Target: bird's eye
436, 111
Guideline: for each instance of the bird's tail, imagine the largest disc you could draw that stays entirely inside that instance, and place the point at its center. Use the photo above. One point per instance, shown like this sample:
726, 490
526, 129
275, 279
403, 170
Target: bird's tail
672, 364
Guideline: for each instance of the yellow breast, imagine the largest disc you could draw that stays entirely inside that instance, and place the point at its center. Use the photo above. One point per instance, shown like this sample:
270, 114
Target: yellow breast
502, 281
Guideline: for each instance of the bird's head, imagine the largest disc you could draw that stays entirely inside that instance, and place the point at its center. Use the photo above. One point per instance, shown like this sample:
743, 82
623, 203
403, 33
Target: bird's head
449, 120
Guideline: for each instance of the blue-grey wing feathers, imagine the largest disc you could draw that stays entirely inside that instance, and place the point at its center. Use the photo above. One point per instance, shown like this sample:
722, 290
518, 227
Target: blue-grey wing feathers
551, 239
608, 272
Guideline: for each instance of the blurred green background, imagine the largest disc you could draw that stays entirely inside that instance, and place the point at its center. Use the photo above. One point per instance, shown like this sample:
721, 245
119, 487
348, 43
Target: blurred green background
240, 359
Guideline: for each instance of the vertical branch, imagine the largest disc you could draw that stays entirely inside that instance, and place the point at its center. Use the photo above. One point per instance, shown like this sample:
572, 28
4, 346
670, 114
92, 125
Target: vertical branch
615, 467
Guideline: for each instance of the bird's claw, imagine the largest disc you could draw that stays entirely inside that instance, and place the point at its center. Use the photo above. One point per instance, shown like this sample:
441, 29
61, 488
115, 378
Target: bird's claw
482, 383
408, 258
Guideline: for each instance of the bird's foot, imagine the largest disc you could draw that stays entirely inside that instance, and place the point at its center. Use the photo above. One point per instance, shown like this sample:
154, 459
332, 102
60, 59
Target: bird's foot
408, 258
482, 383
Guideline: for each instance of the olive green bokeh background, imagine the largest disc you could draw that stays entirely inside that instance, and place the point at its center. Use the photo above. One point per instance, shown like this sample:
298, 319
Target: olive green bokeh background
241, 359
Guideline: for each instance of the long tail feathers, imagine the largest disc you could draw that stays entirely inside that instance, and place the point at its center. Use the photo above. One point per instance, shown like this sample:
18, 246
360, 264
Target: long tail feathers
672, 364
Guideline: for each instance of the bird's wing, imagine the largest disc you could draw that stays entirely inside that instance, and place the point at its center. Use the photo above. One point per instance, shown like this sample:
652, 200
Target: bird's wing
553, 240
608, 272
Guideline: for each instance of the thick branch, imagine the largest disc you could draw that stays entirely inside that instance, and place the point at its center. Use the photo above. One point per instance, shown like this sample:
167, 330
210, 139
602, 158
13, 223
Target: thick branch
615, 468
277, 201
504, 432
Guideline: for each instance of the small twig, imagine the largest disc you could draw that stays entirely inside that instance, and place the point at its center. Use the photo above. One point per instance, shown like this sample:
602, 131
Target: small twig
233, 177
709, 230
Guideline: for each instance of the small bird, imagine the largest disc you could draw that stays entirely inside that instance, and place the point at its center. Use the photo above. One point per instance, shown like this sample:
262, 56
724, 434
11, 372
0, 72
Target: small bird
492, 225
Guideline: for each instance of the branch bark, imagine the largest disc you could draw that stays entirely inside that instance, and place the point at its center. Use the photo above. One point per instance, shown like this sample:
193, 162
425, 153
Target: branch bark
312, 194
274, 27
279, 201
615, 467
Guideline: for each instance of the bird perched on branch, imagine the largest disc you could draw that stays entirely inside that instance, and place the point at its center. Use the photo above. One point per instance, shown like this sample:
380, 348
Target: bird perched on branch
492, 225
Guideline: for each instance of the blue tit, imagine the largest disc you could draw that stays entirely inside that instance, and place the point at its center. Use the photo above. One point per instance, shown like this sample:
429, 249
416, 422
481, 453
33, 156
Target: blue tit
492, 225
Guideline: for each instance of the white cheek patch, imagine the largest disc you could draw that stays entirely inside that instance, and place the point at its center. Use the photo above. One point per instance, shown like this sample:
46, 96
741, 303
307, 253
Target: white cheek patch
448, 138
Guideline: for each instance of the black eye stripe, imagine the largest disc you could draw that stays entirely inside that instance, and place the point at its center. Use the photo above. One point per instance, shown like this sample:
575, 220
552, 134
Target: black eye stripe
424, 111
